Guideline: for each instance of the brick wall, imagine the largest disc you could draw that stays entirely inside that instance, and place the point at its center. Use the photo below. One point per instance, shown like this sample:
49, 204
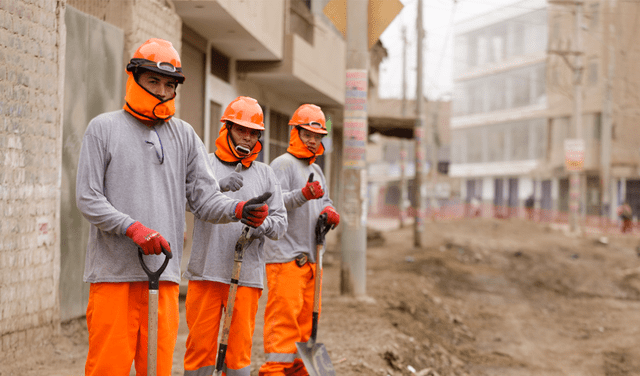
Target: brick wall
30, 134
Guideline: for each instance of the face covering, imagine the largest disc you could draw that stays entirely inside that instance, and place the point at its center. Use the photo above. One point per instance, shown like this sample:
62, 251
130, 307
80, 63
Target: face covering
298, 149
225, 150
145, 106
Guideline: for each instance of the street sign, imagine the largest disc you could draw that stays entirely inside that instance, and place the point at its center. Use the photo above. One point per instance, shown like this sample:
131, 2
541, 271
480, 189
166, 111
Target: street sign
574, 154
381, 13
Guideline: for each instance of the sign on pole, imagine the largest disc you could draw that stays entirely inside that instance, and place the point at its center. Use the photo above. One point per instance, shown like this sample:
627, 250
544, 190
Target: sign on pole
574, 154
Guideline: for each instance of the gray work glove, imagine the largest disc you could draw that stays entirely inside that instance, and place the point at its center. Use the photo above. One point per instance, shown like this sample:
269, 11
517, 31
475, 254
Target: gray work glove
233, 181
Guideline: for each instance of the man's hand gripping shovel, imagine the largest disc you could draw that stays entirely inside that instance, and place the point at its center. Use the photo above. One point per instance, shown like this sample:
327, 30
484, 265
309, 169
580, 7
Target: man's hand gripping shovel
314, 355
243, 242
152, 324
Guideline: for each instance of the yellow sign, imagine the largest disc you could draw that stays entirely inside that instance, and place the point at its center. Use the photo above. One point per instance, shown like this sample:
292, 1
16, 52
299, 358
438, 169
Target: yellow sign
381, 13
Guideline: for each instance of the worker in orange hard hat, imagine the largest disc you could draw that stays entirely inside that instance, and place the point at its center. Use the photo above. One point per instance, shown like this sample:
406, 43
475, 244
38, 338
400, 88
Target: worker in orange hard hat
212, 254
291, 261
138, 168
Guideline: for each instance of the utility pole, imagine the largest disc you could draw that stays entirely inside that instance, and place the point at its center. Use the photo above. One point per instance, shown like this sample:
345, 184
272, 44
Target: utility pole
403, 183
607, 126
354, 172
433, 148
574, 180
403, 147
404, 71
419, 131
575, 193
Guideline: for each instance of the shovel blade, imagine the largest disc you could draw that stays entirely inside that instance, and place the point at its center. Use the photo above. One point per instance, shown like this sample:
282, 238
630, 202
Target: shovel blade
315, 358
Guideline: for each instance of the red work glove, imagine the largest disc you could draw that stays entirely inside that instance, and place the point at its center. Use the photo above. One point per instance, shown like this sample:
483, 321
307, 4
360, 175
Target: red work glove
312, 190
253, 212
150, 241
333, 218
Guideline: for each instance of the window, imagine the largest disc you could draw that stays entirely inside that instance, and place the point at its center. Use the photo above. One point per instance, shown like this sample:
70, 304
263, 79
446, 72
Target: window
457, 147
215, 113
518, 39
483, 49
220, 65
520, 82
474, 145
497, 93
278, 134
472, 51
475, 97
539, 138
497, 43
519, 141
460, 99
540, 92
496, 143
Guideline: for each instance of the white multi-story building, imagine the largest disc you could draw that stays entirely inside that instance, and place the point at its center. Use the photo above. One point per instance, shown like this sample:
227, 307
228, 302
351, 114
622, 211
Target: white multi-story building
499, 115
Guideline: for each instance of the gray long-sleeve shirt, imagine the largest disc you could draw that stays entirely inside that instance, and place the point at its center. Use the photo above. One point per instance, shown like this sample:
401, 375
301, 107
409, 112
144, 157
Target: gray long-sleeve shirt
212, 252
302, 215
120, 180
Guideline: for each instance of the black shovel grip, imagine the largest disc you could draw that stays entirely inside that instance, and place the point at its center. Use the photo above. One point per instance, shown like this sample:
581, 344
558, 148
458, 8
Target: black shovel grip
154, 277
322, 228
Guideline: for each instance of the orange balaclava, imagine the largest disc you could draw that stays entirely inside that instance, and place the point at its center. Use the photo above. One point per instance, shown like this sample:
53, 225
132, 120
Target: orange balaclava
159, 56
311, 118
225, 149
245, 112
298, 149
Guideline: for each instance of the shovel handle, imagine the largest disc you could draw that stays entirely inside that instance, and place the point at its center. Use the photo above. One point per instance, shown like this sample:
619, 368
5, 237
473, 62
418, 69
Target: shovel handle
152, 310
154, 277
241, 244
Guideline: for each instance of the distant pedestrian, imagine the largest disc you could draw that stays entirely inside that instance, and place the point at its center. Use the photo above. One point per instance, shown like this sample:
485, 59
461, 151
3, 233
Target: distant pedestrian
475, 207
528, 204
625, 213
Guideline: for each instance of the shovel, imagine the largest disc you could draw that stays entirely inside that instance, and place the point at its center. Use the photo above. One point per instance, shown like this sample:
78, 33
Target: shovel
242, 243
152, 324
314, 355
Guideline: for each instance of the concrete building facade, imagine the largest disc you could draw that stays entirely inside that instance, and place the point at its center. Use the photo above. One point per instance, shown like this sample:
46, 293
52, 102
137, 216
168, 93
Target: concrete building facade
508, 147
609, 108
499, 115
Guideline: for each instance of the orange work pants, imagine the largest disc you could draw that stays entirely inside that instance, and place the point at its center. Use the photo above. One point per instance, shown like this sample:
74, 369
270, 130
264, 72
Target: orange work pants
204, 304
117, 322
288, 317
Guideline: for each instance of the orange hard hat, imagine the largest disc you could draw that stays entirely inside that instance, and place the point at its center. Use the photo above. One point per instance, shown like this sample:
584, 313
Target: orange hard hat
309, 117
157, 55
244, 111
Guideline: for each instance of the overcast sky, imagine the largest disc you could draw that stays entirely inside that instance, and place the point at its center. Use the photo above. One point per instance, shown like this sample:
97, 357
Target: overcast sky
439, 18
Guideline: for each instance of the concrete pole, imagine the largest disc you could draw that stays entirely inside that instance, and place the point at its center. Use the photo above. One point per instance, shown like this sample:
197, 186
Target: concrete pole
419, 133
403, 147
354, 169
574, 178
404, 71
433, 148
607, 125
403, 183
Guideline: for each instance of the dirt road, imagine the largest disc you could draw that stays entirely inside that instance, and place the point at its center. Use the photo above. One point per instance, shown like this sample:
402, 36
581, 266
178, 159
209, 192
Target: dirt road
481, 297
